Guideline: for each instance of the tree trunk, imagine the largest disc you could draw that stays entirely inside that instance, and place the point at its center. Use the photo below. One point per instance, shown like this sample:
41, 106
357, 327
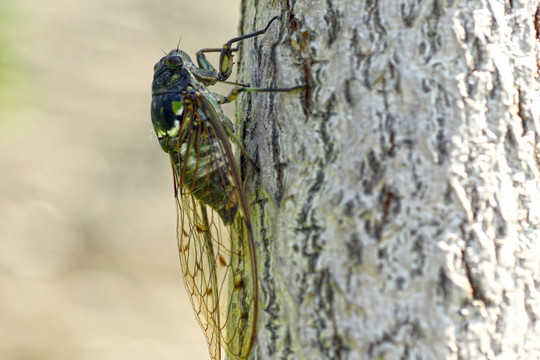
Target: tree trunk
397, 206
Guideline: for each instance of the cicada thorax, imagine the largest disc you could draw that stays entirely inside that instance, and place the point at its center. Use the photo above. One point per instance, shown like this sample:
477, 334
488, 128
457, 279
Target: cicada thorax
201, 165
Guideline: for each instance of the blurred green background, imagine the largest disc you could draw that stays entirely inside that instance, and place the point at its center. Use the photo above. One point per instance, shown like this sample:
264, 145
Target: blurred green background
88, 261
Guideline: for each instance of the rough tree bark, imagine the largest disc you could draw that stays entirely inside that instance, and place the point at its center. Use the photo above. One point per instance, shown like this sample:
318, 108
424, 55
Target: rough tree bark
397, 207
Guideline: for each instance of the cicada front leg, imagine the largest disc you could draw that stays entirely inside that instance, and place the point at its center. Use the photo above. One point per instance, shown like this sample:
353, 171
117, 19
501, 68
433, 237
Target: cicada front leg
226, 53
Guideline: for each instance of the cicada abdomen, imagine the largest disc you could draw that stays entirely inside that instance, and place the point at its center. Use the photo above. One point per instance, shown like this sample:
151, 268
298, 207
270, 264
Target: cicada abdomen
203, 162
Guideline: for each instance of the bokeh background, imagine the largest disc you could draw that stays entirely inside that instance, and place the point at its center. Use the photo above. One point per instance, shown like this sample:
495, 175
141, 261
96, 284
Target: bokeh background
88, 261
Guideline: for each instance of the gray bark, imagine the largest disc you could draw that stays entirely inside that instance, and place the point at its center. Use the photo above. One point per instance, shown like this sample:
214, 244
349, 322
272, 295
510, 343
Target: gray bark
397, 207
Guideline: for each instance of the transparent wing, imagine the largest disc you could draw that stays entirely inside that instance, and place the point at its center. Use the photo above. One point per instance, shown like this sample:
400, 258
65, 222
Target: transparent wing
218, 263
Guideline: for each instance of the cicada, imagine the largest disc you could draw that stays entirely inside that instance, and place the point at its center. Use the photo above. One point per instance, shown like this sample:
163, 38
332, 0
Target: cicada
215, 237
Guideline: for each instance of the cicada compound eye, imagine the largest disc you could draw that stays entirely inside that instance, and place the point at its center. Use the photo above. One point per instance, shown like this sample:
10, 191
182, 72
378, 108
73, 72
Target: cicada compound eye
174, 60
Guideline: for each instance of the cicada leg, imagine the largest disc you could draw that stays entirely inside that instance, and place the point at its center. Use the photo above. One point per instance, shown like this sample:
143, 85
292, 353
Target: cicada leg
226, 53
239, 89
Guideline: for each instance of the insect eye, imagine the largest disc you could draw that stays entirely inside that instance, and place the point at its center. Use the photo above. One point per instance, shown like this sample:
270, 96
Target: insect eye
174, 61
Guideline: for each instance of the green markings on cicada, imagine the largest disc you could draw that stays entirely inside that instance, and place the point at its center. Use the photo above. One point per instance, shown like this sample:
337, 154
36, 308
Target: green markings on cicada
177, 107
215, 238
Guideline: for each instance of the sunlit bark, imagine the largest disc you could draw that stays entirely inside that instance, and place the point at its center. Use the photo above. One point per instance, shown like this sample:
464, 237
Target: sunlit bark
397, 206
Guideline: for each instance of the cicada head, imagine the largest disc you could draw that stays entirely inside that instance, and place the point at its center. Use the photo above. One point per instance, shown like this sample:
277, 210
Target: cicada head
170, 73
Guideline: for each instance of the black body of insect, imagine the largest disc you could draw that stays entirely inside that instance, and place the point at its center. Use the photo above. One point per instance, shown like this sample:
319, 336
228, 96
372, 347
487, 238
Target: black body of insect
218, 264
